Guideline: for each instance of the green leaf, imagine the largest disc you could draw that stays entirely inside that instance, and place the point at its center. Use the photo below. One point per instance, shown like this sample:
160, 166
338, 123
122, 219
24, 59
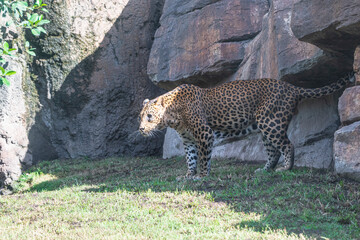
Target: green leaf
22, 5
38, 20
6, 46
35, 32
42, 22
2, 70
24, 23
27, 44
31, 53
34, 17
19, 8
45, 10
5, 81
9, 73
41, 29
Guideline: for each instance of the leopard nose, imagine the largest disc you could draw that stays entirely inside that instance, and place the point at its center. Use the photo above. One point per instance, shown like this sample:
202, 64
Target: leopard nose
141, 129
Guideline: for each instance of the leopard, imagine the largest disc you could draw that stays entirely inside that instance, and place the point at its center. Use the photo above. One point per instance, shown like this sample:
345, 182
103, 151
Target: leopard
207, 117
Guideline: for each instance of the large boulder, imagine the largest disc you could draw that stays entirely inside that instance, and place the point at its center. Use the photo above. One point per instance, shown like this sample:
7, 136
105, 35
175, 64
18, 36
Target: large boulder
331, 25
173, 147
349, 105
312, 132
203, 41
347, 151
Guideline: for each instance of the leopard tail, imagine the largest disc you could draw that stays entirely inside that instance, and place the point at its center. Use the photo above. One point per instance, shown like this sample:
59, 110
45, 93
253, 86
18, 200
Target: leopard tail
326, 90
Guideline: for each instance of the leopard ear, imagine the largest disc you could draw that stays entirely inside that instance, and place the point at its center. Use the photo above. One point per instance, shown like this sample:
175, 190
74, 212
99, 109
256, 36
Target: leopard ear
162, 101
146, 101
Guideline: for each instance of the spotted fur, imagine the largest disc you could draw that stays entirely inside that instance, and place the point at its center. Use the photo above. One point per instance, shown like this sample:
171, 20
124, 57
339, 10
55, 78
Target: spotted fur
205, 117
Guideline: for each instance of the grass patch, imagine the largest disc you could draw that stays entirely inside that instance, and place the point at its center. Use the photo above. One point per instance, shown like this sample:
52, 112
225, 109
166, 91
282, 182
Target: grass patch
139, 198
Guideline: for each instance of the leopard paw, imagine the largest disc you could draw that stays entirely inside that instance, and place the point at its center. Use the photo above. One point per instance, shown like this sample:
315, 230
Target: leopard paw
281, 169
196, 178
263, 170
181, 178
186, 177
260, 170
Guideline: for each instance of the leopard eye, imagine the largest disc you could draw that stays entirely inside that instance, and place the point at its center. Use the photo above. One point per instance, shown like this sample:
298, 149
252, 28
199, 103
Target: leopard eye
139, 119
149, 117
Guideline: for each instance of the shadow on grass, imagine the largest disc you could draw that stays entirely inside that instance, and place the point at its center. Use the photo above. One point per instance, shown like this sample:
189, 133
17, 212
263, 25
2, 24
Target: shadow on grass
303, 201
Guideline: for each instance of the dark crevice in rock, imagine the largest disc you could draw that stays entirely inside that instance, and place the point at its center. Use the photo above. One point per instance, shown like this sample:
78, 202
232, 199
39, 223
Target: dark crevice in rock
327, 133
205, 78
180, 9
246, 37
197, 8
319, 71
334, 40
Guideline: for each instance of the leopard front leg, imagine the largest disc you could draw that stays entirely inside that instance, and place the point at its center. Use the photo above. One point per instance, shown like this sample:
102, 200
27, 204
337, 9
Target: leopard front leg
191, 155
201, 133
205, 140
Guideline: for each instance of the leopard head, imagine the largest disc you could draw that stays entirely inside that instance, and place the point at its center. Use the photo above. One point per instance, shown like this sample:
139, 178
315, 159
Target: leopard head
152, 116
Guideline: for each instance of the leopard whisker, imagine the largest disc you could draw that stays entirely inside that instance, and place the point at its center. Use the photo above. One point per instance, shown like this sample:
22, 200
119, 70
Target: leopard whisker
132, 136
156, 133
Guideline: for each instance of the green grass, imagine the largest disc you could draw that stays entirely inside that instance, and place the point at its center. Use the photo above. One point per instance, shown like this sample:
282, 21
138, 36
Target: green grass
139, 198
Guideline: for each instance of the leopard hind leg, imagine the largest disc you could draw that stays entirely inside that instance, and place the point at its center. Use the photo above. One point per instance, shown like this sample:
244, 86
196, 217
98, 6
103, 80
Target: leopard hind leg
287, 149
273, 155
276, 140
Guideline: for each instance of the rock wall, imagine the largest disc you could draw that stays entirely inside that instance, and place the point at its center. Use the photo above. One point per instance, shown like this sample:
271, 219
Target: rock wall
307, 43
13, 114
86, 86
